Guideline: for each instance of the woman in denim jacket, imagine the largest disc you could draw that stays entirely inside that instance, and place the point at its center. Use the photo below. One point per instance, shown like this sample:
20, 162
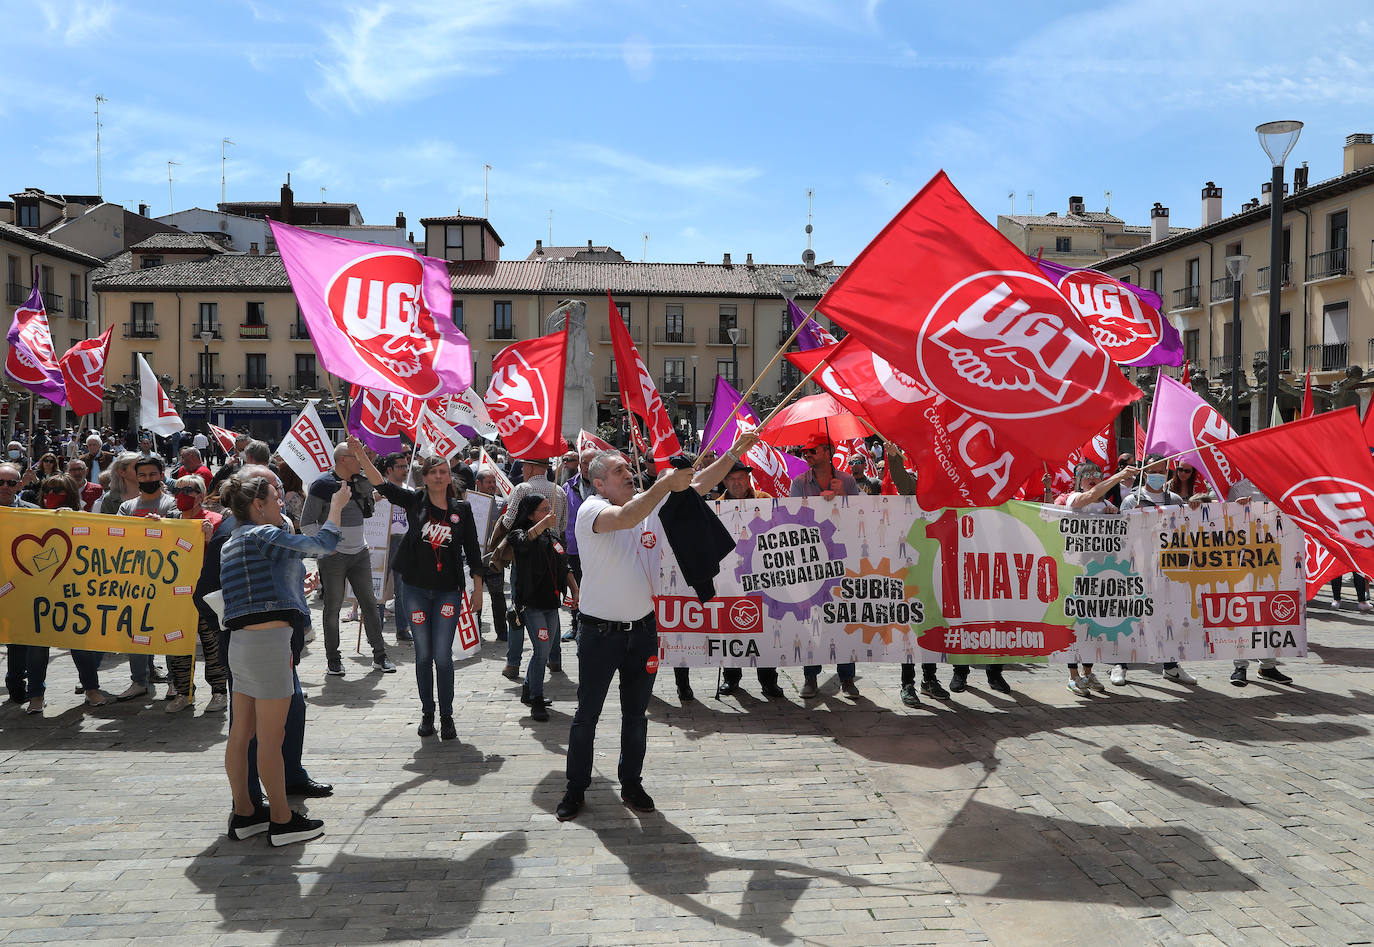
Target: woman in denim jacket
263, 580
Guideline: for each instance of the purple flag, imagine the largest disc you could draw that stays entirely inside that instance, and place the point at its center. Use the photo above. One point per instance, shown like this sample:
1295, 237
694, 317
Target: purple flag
722, 424
1125, 319
1182, 423
812, 335
31, 361
372, 420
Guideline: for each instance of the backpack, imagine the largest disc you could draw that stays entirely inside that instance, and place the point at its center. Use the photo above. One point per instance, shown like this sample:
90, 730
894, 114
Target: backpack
501, 552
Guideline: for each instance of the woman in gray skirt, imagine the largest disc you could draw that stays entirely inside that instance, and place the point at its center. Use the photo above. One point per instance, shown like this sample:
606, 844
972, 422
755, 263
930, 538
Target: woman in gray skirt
263, 579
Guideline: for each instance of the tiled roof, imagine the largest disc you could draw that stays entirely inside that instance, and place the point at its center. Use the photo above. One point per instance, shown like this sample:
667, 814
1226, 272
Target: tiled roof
229, 271
1045, 220
1098, 217
575, 253
497, 276
178, 241
45, 245
114, 266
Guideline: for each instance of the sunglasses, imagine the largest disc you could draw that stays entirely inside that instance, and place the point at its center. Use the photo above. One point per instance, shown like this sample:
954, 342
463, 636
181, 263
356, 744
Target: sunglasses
180, 491
7, 482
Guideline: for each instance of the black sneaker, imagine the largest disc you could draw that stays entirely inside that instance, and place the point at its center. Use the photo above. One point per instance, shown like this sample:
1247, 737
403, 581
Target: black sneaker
570, 805
246, 826
299, 829
426, 727
447, 731
384, 665
933, 688
1275, 675
772, 690
959, 682
539, 712
636, 798
1238, 677
684, 693
335, 667
909, 695
999, 683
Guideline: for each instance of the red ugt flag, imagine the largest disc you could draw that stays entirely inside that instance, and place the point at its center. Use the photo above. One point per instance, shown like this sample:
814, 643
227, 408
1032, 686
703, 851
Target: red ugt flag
83, 373
1319, 472
526, 396
638, 393
946, 299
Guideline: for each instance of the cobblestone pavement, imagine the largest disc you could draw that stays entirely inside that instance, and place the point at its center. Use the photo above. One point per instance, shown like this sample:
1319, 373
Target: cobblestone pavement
1156, 813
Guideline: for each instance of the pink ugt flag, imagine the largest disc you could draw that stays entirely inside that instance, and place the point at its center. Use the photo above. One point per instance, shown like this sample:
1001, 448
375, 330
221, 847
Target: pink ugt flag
1182, 423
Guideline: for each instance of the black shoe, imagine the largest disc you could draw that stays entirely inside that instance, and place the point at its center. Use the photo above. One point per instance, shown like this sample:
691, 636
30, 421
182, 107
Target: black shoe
1238, 677
447, 731
684, 693
958, 683
932, 688
771, 690
404, 636
335, 667
570, 806
246, 826
525, 694
310, 789
1275, 675
636, 798
539, 712
299, 829
999, 683
727, 688
909, 696
555, 668
426, 727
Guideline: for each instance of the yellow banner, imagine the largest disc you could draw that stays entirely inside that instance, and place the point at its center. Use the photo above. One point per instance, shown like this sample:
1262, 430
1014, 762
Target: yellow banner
99, 583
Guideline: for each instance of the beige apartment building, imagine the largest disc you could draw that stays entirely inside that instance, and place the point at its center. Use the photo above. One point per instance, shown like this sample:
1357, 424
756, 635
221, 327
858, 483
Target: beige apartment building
1080, 237
1326, 281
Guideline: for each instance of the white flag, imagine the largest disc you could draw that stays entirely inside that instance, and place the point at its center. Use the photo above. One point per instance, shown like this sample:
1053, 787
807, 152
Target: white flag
155, 412
469, 410
306, 447
436, 437
503, 485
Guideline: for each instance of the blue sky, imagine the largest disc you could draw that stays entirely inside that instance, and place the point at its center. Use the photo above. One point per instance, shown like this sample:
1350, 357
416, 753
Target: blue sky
702, 124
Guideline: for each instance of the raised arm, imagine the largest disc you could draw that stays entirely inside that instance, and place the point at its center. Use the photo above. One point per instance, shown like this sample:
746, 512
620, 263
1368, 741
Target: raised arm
710, 477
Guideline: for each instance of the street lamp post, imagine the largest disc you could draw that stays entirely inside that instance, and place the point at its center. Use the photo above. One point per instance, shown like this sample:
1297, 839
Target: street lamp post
476, 358
205, 336
1277, 139
696, 396
733, 332
1235, 268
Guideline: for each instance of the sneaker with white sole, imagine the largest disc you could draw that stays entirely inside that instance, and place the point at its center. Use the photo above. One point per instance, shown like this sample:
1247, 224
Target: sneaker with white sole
178, 703
1365, 608
1179, 676
384, 665
1118, 675
809, 688
299, 829
246, 826
134, 690
1078, 686
1092, 683
218, 703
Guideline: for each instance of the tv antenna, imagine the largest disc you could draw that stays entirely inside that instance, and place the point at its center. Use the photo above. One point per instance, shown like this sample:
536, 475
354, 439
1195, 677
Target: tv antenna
1030, 203
98, 99
223, 158
645, 255
171, 209
486, 191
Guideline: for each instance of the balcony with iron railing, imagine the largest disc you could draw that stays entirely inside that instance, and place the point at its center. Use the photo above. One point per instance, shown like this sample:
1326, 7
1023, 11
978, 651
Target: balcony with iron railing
666, 336
299, 330
203, 381
80, 308
1328, 357
636, 335
610, 385
1187, 298
140, 330
1222, 288
255, 381
17, 294
1329, 264
53, 303
1219, 366
722, 336
501, 332
784, 333
305, 381
675, 385
1262, 277
1285, 358
216, 333
253, 330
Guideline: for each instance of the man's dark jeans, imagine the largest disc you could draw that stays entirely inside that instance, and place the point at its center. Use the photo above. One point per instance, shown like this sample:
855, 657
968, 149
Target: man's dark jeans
601, 653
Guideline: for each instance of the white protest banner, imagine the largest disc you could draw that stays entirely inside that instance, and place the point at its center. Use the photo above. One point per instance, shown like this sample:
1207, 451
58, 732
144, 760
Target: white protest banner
503, 484
306, 447
878, 579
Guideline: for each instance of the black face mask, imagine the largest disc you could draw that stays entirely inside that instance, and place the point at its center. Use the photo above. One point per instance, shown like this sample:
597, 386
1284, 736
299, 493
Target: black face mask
150, 487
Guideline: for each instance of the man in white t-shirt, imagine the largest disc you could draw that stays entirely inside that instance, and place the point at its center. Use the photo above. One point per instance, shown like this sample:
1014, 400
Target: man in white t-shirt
620, 539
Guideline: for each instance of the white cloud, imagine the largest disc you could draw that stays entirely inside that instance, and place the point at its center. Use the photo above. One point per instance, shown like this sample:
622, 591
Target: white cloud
638, 54
78, 21
706, 177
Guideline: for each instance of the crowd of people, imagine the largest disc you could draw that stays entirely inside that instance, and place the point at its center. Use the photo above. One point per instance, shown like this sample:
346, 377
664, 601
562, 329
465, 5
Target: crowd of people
571, 534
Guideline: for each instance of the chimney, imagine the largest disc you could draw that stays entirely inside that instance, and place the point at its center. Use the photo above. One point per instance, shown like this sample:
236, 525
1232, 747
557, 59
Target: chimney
288, 201
539, 248
1359, 152
1266, 192
253, 249
749, 260
143, 210
1076, 205
400, 220
1300, 178
589, 244
1159, 222
726, 262
1211, 203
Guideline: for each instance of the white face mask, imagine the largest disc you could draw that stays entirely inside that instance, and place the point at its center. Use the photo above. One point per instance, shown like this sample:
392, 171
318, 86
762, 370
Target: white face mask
15, 454
1154, 481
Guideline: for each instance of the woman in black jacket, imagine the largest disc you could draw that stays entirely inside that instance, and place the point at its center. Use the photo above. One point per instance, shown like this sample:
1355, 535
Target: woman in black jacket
542, 577
440, 541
